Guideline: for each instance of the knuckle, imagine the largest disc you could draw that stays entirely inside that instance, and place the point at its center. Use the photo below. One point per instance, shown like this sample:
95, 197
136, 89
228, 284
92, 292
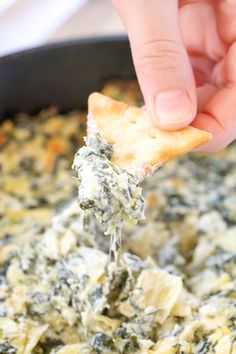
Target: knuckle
159, 55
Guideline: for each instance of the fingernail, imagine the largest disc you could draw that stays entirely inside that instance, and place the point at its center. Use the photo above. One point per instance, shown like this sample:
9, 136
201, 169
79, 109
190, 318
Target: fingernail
174, 107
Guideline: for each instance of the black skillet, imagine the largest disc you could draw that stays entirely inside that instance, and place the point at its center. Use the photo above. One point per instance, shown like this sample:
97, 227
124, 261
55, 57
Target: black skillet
63, 73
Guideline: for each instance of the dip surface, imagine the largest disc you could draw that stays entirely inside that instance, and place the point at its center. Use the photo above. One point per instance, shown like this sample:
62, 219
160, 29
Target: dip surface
173, 290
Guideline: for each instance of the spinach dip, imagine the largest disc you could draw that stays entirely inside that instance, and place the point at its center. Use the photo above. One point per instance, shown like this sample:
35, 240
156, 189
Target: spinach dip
173, 289
111, 193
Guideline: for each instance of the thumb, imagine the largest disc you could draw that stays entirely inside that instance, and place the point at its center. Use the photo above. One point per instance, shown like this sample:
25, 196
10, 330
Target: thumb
161, 61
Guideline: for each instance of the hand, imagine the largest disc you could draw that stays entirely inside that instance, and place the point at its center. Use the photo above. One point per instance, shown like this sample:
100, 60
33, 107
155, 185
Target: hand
185, 59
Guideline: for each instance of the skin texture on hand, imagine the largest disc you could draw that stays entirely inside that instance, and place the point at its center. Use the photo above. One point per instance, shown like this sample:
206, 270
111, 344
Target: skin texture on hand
184, 54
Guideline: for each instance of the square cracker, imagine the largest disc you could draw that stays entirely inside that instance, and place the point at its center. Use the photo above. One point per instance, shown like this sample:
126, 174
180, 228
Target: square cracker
137, 142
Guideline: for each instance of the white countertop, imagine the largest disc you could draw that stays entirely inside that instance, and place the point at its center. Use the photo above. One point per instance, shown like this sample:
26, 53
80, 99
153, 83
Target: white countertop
29, 23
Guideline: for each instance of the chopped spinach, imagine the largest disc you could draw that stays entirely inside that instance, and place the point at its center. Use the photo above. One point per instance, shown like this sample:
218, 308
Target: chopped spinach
6, 348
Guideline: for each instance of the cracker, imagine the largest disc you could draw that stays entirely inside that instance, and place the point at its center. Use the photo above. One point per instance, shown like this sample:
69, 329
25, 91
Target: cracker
137, 142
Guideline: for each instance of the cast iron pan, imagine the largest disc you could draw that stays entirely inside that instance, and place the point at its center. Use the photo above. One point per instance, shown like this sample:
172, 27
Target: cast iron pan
63, 73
